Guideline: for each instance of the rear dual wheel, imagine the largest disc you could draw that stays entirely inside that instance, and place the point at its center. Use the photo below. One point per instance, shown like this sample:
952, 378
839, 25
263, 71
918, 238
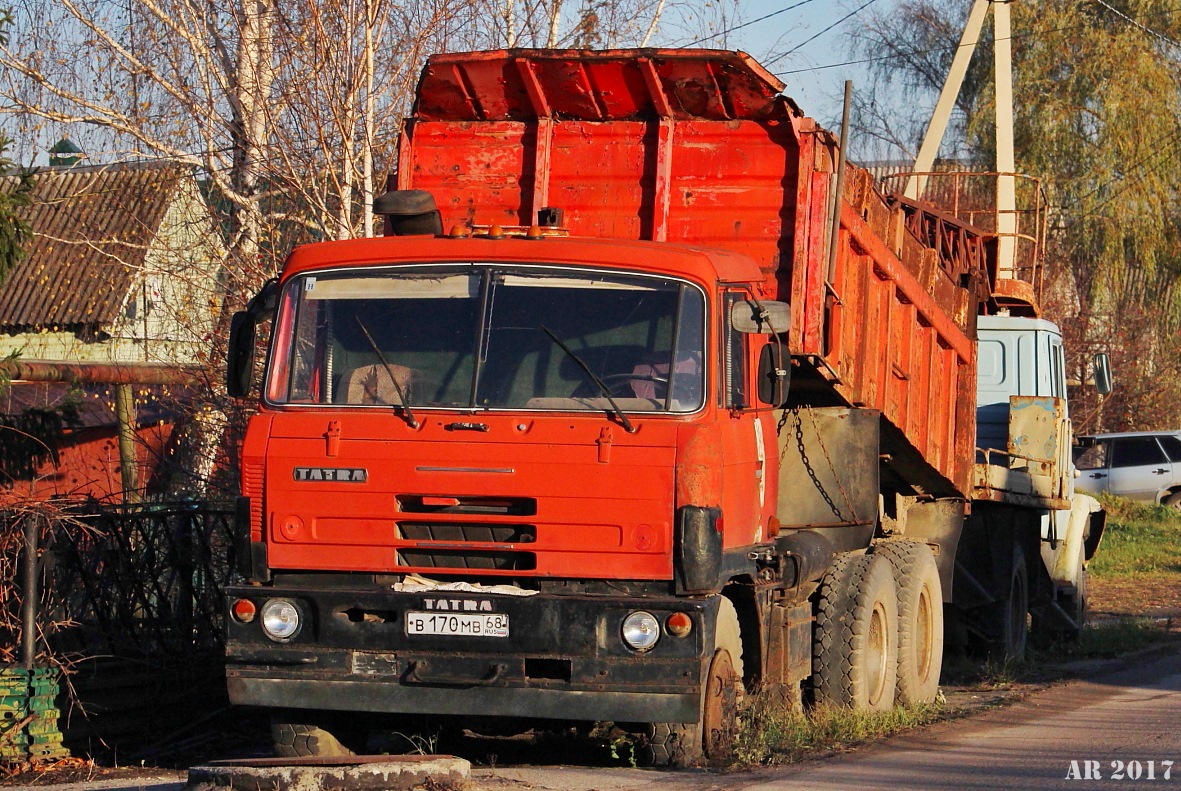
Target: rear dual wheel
855, 659
920, 619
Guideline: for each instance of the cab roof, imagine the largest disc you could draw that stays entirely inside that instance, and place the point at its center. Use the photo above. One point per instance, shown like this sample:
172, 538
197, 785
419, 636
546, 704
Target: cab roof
705, 265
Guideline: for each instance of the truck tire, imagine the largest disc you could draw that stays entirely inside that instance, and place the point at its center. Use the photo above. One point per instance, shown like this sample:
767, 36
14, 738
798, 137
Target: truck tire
1173, 500
1008, 619
920, 619
854, 652
675, 744
304, 740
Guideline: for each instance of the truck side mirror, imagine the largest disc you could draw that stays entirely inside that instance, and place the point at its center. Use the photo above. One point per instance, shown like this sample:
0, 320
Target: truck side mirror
760, 316
1102, 375
240, 356
773, 375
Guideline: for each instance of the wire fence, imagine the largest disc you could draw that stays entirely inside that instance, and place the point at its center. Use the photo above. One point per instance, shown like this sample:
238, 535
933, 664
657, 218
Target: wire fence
138, 581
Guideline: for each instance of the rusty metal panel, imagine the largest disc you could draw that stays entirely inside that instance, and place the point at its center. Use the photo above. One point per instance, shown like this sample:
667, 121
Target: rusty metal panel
724, 183
915, 362
596, 86
828, 474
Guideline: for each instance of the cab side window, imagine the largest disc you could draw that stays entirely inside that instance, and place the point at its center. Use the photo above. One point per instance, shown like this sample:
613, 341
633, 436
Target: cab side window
734, 347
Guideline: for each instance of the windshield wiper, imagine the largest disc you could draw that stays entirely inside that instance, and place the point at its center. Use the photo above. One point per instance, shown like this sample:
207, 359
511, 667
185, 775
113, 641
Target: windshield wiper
409, 413
594, 379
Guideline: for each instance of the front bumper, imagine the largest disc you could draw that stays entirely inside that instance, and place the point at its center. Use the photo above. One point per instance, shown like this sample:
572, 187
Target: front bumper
563, 658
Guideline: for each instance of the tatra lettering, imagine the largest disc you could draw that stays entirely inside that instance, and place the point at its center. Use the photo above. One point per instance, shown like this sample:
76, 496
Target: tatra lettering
458, 605
344, 474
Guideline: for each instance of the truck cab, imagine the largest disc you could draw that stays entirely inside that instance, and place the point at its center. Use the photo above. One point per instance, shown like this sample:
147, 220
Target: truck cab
1024, 456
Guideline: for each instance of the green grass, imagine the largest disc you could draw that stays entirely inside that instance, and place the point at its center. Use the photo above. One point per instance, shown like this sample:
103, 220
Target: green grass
769, 735
1140, 539
1108, 639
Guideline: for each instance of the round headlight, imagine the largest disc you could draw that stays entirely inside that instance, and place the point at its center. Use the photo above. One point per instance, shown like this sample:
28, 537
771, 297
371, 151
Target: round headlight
280, 620
641, 630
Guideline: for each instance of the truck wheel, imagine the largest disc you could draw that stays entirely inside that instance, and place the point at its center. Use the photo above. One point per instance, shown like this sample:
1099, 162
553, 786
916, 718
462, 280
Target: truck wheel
303, 739
1009, 619
675, 744
1173, 500
920, 619
854, 653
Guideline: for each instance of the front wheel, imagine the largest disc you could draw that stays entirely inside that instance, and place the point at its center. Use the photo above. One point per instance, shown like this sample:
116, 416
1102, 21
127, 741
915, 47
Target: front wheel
1009, 617
296, 734
674, 744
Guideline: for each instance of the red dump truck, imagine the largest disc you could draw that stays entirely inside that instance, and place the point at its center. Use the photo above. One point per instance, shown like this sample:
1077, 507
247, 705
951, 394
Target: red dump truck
605, 427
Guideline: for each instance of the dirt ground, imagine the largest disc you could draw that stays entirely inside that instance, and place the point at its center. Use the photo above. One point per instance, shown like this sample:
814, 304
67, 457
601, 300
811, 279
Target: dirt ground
1157, 597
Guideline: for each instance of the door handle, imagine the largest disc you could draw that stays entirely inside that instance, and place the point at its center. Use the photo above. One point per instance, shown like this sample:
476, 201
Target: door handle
1160, 471
1098, 475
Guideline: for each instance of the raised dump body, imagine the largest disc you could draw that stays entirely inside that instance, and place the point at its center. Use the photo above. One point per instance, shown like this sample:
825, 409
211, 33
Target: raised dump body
700, 147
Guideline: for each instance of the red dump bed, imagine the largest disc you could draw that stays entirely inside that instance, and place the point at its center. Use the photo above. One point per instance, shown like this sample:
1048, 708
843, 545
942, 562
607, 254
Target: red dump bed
699, 146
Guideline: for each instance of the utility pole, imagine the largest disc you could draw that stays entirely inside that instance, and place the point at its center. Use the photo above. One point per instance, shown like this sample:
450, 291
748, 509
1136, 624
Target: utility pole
1006, 189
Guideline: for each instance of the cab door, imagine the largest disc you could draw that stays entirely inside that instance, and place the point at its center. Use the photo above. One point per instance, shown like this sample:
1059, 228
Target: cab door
750, 457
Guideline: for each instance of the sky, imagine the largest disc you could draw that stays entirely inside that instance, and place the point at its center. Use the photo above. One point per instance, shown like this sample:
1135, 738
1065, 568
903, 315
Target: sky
817, 91
817, 32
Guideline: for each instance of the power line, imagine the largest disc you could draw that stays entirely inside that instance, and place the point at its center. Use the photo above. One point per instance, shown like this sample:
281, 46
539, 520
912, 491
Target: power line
1132, 175
1139, 26
729, 30
807, 41
946, 48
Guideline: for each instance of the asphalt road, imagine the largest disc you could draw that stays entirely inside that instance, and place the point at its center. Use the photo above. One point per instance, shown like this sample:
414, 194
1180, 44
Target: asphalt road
1109, 731
1120, 728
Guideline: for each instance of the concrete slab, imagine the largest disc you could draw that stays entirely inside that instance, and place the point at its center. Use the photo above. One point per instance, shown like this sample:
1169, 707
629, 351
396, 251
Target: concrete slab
351, 773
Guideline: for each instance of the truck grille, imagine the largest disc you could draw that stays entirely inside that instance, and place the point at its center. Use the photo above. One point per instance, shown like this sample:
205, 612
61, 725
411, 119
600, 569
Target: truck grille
464, 504
426, 557
468, 532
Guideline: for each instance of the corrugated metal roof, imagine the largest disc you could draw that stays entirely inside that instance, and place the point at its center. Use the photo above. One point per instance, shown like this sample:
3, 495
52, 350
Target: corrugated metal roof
91, 231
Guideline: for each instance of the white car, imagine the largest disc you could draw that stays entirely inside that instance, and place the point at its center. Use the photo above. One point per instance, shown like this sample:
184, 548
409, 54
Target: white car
1139, 465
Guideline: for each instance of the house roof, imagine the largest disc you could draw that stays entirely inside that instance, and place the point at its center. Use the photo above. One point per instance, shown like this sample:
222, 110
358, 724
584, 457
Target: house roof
91, 231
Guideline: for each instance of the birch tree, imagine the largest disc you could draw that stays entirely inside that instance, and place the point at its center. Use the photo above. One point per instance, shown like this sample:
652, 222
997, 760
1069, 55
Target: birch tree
169, 79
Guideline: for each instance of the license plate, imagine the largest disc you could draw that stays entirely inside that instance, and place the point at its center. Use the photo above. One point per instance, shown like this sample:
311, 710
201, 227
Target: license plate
459, 624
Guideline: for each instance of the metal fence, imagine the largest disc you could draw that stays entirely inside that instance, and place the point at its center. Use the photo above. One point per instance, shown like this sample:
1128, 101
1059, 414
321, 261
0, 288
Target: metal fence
139, 581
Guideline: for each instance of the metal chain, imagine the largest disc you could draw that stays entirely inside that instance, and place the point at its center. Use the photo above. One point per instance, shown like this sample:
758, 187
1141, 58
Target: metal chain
808, 466
831, 466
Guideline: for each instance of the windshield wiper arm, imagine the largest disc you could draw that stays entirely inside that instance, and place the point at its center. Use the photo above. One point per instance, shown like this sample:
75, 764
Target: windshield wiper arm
594, 379
409, 413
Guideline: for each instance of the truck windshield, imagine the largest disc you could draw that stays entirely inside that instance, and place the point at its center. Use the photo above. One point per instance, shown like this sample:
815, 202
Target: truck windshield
477, 336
